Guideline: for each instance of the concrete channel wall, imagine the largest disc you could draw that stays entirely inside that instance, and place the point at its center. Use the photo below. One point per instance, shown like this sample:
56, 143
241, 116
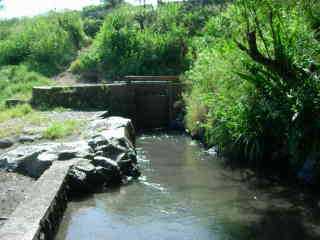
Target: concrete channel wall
112, 159
37, 217
149, 104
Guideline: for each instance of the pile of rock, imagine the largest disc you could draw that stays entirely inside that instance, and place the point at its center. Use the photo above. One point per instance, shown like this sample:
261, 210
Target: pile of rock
106, 156
114, 156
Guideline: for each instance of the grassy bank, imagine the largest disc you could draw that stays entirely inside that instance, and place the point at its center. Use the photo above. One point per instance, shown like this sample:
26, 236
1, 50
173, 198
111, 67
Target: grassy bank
254, 91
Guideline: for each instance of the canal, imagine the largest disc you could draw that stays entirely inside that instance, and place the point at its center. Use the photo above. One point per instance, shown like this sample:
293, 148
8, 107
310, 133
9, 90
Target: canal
186, 194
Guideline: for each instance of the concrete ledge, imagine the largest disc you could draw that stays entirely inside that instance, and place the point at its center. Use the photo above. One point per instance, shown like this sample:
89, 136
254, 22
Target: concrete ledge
38, 216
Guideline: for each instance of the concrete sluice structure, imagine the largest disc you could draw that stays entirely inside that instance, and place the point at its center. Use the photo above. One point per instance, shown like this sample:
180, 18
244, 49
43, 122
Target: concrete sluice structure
151, 102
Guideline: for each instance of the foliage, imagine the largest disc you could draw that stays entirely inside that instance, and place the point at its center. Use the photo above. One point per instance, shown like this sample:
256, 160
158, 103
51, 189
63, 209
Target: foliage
135, 40
44, 43
93, 17
257, 76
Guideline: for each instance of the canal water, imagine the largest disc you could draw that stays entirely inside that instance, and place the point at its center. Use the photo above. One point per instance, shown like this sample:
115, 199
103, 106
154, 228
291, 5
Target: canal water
186, 194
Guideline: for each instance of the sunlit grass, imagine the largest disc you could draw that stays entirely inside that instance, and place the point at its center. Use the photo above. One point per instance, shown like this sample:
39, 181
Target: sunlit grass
15, 112
62, 129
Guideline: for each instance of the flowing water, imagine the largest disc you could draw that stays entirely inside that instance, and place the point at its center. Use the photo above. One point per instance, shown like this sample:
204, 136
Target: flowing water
186, 194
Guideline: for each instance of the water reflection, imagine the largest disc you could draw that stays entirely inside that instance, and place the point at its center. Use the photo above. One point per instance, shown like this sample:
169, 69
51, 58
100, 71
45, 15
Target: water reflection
183, 194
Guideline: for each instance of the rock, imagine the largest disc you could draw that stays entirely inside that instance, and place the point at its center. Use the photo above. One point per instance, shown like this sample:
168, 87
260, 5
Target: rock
128, 164
85, 176
25, 160
107, 157
77, 181
105, 162
5, 143
114, 146
103, 115
112, 123
67, 155
26, 139
47, 156
212, 151
78, 149
14, 102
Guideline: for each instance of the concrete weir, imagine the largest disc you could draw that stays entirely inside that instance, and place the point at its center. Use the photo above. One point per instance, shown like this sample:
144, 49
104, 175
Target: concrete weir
149, 101
110, 160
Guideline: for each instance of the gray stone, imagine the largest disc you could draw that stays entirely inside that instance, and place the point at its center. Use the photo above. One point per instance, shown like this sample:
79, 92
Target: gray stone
106, 163
6, 143
78, 149
212, 151
47, 156
24, 159
26, 139
112, 124
14, 102
85, 176
67, 155
103, 115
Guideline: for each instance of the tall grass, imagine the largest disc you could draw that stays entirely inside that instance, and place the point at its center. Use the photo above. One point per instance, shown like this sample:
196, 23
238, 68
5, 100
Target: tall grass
261, 100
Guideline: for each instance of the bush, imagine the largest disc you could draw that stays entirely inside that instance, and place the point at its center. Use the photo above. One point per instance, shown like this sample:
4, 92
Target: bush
92, 26
61, 129
135, 40
260, 92
45, 43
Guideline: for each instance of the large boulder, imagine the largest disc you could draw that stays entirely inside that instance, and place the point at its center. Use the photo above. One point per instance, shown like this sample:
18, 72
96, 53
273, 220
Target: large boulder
33, 160
6, 143
112, 123
115, 145
86, 176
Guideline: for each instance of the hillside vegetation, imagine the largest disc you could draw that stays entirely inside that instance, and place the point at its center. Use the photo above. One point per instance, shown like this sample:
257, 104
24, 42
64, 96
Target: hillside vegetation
251, 68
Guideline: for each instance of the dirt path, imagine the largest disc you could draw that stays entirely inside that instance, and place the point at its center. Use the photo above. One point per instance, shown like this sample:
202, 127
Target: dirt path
66, 78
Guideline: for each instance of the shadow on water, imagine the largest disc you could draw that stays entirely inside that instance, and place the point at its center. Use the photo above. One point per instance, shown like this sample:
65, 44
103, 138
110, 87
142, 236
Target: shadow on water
282, 224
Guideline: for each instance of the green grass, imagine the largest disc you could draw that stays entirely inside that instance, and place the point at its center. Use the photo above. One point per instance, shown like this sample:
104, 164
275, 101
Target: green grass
18, 81
63, 129
14, 120
16, 112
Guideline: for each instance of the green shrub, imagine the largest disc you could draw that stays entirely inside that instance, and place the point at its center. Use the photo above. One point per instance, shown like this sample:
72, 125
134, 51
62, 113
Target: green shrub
261, 100
45, 43
92, 26
135, 40
58, 130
